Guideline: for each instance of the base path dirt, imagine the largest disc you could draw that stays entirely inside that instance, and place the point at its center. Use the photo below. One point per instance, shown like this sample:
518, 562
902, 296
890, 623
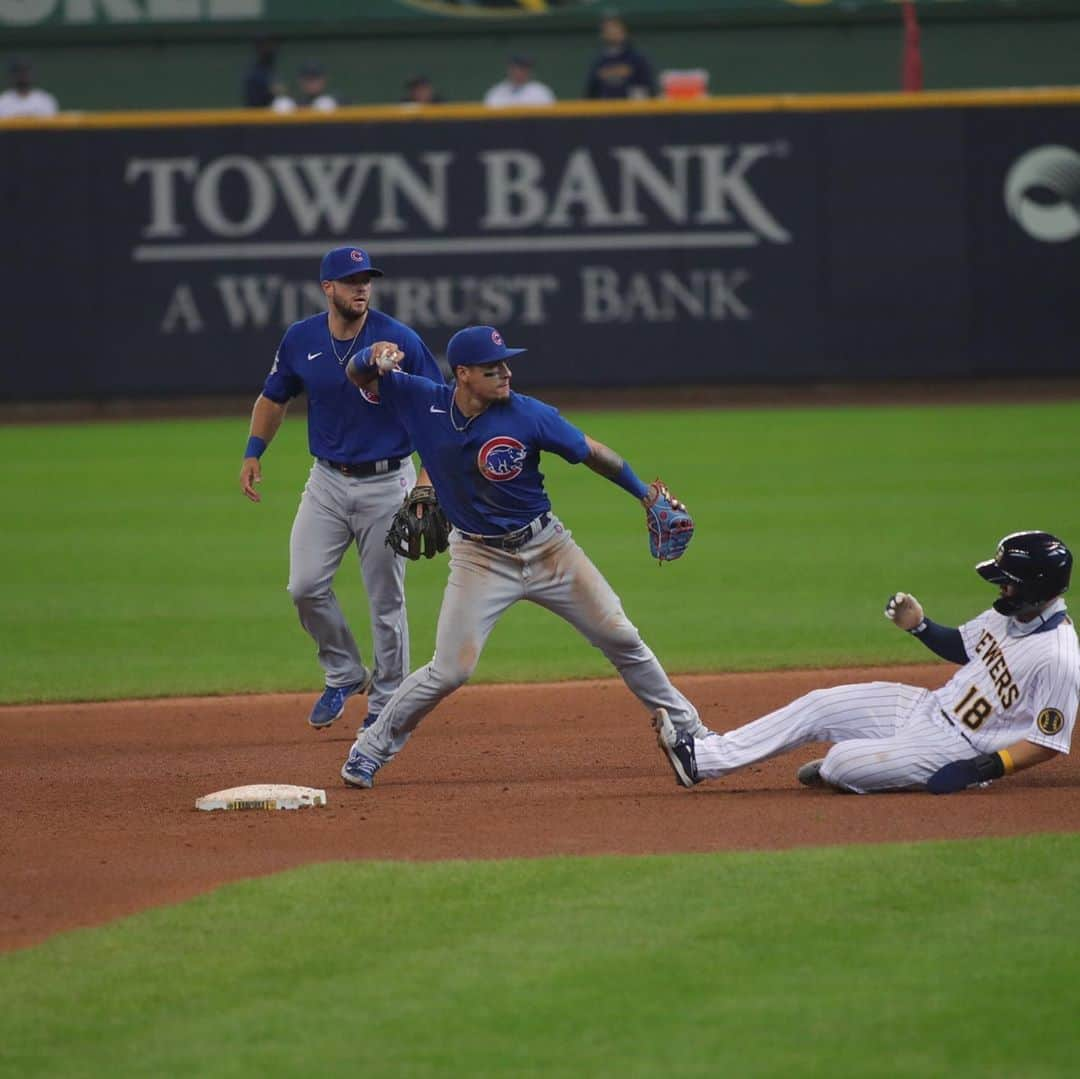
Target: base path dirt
98, 818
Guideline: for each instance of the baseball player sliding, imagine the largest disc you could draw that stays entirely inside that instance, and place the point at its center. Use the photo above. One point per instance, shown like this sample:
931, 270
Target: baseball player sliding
482, 446
1010, 706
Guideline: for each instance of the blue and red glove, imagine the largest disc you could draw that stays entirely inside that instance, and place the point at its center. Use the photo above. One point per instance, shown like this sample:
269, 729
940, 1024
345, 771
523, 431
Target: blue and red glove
671, 528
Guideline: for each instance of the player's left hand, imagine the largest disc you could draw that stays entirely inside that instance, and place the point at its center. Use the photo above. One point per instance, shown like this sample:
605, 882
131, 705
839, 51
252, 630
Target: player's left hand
959, 775
953, 777
671, 528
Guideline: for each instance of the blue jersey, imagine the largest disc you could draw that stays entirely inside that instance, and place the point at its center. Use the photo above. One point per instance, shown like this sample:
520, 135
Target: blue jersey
487, 476
343, 424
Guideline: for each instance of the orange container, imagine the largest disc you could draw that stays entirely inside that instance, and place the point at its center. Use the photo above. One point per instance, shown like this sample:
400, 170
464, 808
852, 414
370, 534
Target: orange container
690, 83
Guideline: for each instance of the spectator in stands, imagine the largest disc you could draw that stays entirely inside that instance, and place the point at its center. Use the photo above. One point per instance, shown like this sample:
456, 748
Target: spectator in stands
24, 99
419, 90
261, 86
619, 70
519, 87
313, 92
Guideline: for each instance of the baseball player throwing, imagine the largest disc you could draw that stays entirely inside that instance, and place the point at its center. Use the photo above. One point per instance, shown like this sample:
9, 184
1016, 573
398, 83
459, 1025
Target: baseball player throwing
1010, 706
482, 446
363, 468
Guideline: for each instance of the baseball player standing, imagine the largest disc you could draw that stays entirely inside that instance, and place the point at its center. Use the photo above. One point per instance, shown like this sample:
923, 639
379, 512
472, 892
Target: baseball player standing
1011, 705
482, 447
362, 470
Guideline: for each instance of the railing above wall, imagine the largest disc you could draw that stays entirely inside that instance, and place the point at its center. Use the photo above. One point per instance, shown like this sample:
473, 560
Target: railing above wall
409, 114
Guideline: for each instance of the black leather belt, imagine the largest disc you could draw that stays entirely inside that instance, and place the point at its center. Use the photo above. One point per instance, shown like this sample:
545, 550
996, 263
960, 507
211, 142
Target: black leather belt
948, 719
512, 541
364, 468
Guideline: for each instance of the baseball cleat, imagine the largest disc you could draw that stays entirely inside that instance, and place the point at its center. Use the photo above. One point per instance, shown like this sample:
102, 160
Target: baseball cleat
359, 770
331, 705
809, 775
678, 747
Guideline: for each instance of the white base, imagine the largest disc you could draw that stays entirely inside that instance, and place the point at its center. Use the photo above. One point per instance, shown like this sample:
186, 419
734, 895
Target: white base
263, 796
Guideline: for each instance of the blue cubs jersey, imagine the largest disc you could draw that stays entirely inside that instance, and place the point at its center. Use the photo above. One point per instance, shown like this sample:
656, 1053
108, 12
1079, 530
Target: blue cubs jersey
345, 424
487, 475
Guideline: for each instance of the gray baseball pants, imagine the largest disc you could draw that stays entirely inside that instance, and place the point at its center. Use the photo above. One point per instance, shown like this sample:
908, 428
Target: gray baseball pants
552, 571
335, 512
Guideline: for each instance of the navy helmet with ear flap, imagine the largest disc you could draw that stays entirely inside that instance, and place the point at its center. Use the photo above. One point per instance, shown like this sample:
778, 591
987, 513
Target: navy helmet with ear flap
1039, 564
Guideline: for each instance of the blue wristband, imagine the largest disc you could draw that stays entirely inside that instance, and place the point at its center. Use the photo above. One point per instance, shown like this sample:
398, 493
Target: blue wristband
256, 447
629, 482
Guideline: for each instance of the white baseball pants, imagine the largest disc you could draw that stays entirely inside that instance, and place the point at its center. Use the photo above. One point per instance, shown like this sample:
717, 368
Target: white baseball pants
888, 737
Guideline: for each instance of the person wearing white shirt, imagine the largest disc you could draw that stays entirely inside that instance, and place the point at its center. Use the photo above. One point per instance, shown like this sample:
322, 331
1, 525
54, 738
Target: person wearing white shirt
519, 87
313, 92
24, 99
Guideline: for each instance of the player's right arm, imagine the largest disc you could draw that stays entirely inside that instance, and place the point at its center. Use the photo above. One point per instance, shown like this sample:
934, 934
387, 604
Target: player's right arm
281, 386
266, 418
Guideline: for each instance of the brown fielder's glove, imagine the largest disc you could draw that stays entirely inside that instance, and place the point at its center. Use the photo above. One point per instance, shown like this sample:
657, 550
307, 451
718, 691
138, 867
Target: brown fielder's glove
671, 528
411, 534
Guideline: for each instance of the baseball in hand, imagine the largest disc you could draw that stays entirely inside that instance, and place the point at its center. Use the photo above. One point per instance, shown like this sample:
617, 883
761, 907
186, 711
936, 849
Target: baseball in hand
385, 356
387, 360
906, 611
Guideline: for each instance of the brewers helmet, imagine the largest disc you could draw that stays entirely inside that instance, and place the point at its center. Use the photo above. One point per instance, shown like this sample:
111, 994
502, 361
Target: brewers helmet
1036, 562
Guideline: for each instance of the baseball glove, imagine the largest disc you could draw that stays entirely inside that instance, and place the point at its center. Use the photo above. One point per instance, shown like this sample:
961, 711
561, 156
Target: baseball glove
411, 534
671, 528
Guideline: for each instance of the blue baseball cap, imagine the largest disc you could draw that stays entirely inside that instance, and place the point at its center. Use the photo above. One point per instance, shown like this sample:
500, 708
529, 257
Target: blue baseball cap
478, 345
343, 261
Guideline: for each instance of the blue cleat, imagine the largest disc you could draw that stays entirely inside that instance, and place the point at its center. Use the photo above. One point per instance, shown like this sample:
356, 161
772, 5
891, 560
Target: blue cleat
331, 705
678, 747
370, 720
359, 770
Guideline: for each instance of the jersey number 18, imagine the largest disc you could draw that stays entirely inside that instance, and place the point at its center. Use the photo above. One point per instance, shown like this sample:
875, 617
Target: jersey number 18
973, 710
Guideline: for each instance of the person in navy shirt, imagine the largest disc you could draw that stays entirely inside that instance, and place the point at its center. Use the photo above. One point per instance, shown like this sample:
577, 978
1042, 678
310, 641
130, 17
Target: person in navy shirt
481, 444
620, 70
362, 472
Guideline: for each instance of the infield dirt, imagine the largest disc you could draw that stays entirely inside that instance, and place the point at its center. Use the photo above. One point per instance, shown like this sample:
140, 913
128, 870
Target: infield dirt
98, 813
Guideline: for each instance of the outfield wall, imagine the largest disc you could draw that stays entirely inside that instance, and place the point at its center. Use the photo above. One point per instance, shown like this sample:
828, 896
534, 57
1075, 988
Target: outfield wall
770, 240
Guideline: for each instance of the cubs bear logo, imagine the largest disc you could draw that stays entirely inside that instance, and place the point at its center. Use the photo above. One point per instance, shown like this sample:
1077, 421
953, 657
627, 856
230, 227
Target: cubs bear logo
1050, 721
501, 458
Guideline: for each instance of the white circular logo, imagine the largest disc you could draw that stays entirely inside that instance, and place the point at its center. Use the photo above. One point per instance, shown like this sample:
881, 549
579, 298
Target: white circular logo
1052, 173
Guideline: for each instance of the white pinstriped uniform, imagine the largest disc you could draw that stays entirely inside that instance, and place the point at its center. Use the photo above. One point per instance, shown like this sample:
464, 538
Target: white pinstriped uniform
1018, 684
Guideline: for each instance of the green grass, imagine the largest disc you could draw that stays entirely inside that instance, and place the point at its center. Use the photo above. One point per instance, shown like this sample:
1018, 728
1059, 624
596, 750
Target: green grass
930, 959
135, 567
